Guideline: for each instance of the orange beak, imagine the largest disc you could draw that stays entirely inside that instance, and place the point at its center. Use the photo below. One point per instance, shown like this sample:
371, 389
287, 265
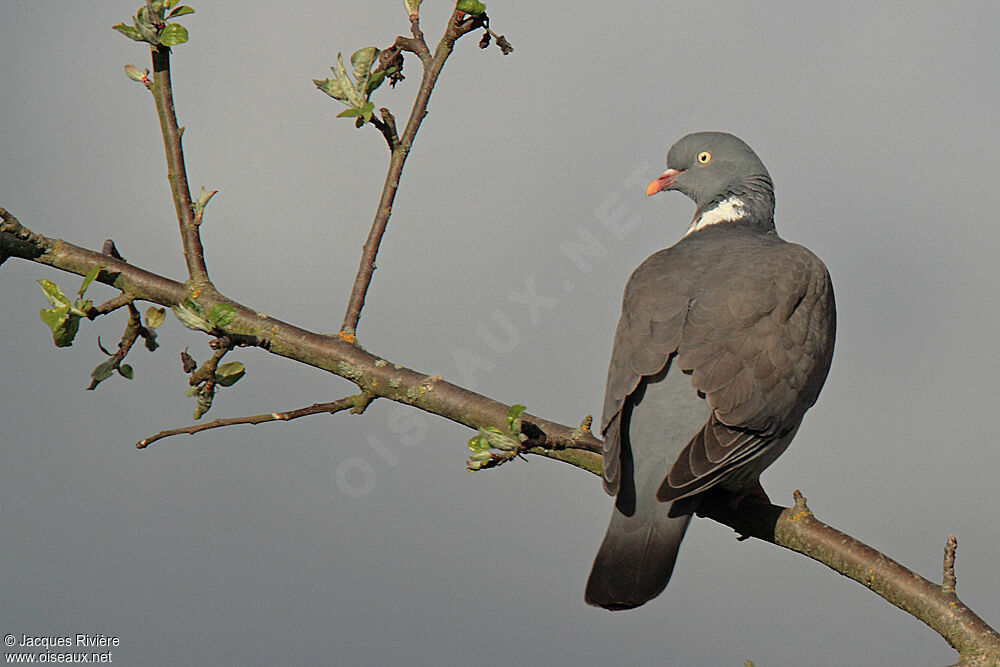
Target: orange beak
665, 180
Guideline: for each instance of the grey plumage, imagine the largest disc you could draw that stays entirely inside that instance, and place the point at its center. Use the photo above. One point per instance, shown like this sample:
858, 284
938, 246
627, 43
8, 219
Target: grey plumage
724, 342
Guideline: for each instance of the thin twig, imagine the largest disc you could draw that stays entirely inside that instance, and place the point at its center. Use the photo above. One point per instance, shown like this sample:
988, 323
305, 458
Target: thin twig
416, 45
206, 372
387, 126
948, 582
109, 306
356, 404
194, 253
133, 329
117, 302
111, 250
416, 31
432, 68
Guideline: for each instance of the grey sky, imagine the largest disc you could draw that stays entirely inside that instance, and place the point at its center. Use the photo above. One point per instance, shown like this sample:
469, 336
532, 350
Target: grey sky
877, 122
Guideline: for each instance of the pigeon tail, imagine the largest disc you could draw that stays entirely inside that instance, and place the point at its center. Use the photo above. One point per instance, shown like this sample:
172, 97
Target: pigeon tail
636, 559
637, 556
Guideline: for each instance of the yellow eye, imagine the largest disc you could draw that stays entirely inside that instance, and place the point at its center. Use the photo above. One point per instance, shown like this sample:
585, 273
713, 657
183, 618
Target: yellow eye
704, 157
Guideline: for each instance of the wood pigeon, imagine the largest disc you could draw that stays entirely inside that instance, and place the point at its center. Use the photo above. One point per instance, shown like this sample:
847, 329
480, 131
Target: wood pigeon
724, 342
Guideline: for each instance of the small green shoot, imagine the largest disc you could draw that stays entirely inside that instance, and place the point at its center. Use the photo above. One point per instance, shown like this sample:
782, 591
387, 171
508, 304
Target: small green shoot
150, 25
492, 447
355, 94
64, 316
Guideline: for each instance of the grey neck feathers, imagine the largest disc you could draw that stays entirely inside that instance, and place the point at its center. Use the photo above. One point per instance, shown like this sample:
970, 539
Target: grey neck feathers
749, 204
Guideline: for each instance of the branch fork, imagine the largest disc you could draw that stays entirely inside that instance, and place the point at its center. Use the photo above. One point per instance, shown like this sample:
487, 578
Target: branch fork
399, 145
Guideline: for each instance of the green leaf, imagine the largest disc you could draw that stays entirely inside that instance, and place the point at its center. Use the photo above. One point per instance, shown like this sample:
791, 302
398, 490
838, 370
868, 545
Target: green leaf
492, 447
180, 11
155, 317
89, 278
355, 93
145, 28
412, 6
126, 371
229, 374
332, 88
201, 203
191, 315
353, 97
205, 196
473, 7
173, 34
203, 403
376, 80
103, 371
477, 443
53, 293
365, 112
222, 315
80, 307
476, 460
494, 438
55, 319
513, 415
192, 391
63, 322
129, 32
361, 62
169, 3
63, 336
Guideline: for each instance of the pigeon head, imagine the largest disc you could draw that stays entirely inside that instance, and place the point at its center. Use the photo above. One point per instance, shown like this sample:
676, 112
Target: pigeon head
724, 177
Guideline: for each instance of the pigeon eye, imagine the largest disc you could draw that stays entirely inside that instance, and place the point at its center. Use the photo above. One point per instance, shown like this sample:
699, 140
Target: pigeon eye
704, 157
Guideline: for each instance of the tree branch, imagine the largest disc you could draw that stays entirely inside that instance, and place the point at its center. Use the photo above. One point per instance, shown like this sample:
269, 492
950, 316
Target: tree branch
400, 150
793, 528
133, 329
796, 528
194, 253
373, 375
356, 404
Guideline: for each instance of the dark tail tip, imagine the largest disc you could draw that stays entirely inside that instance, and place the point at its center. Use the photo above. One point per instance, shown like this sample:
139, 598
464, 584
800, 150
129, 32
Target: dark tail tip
635, 560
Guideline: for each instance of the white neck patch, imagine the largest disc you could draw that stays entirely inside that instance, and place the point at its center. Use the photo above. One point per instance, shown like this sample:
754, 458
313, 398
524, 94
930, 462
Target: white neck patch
728, 210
